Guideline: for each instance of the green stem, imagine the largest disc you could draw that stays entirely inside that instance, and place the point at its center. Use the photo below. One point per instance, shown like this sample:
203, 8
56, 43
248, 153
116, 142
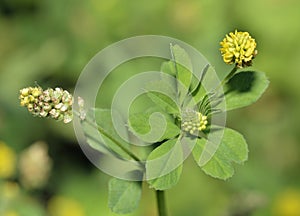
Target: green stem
230, 75
161, 203
127, 151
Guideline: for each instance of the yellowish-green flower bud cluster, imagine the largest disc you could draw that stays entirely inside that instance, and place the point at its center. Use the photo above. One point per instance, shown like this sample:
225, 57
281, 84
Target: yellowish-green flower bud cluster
193, 122
238, 48
54, 103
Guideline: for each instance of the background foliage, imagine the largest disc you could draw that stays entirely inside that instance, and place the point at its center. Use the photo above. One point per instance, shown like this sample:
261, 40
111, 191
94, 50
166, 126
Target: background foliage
51, 41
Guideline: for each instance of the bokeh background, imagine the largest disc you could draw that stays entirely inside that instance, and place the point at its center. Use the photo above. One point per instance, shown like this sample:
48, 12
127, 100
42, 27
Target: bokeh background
42, 168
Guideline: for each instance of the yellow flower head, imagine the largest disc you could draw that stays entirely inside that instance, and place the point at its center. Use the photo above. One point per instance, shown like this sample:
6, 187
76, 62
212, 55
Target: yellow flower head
7, 161
238, 48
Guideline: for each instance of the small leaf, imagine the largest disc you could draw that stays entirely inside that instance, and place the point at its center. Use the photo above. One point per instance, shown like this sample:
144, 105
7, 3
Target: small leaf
233, 148
168, 68
152, 126
183, 66
103, 142
93, 139
244, 88
196, 83
163, 95
209, 81
123, 196
164, 102
164, 165
168, 76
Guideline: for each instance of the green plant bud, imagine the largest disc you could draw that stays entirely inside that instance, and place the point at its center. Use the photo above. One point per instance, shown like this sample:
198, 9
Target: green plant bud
193, 121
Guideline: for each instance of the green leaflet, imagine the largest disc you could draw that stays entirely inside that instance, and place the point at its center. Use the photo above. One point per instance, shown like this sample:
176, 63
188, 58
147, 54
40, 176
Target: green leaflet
164, 102
183, 71
123, 196
183, 65
233, 148
168, 77
153, 126
208, 83
164, 165
163, 94
168, 68
244, 88
104, 142
93, 138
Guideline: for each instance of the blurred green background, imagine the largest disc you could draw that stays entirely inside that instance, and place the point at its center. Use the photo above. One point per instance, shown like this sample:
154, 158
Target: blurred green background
51, 41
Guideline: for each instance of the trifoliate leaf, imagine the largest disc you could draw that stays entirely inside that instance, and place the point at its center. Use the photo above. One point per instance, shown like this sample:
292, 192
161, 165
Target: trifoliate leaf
244, 88
123, 195
233, 148
164, 165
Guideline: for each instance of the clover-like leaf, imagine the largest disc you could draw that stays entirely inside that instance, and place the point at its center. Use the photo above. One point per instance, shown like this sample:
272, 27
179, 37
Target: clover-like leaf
168, 68
163, 94
183, 68
244, 88
164, 102
164, 165
183, 65
233, 148
123, 195
153, 126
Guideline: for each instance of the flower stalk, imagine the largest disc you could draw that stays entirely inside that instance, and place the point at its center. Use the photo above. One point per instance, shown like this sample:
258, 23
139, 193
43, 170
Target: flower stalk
161, 203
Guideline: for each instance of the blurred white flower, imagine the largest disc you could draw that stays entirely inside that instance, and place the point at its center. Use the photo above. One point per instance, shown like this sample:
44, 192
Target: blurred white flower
35, 165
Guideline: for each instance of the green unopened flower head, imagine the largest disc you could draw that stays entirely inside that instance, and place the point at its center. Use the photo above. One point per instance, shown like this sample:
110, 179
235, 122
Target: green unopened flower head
238, 48
54, 103
193, 122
